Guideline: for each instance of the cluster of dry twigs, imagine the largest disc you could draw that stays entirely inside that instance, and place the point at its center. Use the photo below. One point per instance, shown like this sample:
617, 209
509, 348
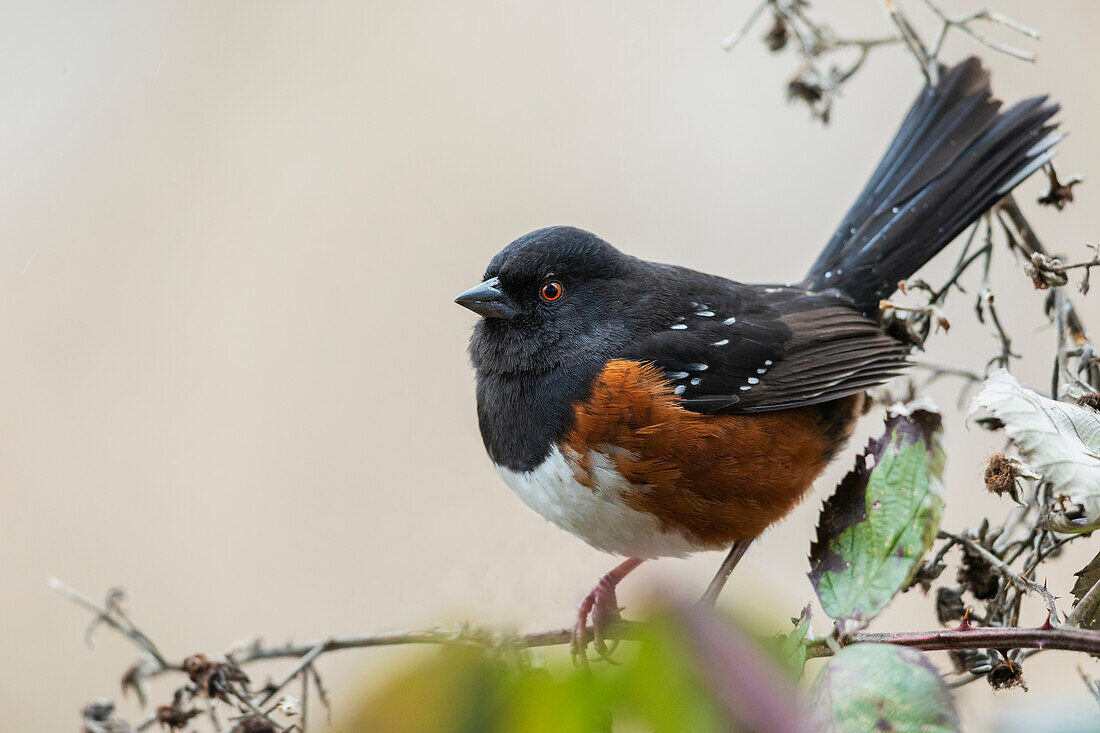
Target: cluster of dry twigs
997, 558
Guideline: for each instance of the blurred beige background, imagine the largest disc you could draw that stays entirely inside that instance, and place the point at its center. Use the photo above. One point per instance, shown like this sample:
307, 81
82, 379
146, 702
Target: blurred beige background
235, 382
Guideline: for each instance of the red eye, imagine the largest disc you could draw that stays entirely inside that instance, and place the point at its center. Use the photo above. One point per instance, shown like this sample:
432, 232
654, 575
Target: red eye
551, 291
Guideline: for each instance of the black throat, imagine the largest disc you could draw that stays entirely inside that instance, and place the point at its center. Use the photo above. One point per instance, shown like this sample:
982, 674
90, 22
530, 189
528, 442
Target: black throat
522, 415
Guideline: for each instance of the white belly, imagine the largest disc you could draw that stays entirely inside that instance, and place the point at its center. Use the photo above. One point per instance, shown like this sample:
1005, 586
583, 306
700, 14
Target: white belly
598, 516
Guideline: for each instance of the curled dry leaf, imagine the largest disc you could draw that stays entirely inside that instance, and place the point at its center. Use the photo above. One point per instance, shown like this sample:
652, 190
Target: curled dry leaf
1058, 440
1087, 577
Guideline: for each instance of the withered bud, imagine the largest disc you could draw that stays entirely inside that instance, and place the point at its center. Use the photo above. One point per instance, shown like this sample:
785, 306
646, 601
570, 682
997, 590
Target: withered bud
1045, 272
977, 575
807, 91
1090, 400
776, 38
1001, 475
949, 605
1059, 194
195, 666
254, 724
173, 717
1006, 674
212, 678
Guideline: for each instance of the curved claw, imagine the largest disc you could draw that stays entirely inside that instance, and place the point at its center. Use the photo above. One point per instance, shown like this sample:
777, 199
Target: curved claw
603, 607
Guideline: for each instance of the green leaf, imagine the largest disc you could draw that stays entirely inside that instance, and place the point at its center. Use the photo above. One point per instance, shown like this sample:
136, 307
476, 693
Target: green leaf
793, 646
882, 687
882, 519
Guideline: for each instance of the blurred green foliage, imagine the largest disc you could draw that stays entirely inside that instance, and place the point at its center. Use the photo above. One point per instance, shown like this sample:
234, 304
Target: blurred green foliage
661, 684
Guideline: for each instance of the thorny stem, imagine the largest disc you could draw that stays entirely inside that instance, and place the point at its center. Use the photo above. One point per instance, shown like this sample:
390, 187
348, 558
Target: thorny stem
1006, 572
1004, 637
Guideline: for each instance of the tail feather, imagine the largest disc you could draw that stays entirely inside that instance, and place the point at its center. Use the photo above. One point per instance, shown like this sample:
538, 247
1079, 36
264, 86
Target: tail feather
955, 155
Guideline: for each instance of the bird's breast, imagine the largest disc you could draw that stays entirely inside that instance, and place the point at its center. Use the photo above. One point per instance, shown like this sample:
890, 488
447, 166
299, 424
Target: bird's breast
596, 511
639, 475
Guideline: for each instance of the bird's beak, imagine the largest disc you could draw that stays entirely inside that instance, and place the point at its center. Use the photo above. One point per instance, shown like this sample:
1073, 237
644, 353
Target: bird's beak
487, 300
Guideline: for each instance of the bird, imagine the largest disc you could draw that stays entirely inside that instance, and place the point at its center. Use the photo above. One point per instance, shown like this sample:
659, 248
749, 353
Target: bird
657, 411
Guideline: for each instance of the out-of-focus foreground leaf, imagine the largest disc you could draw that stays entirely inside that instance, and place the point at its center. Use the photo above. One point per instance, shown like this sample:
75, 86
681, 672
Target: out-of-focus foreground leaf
882, 687
1059, 440
1086, 579
691, 672
882, 519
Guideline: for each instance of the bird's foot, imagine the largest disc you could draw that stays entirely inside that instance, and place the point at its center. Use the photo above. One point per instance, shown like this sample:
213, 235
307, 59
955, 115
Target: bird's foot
601, 606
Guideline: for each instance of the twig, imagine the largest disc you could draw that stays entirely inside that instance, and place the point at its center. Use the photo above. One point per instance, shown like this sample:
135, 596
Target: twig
734, 38
1030, 243
116, 621
1006, 572
306, 660
963, 24
913, 42
1093, 686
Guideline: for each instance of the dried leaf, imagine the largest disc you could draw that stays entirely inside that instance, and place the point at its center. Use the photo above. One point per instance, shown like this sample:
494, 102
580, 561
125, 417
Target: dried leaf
1087, 577
881, 520
869, 687
1060, 441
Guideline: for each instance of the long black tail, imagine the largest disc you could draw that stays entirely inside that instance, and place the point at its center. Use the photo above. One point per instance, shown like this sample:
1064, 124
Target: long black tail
954, 157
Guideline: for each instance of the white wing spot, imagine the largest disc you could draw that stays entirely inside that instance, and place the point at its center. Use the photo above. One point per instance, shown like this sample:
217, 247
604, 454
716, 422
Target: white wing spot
761, 371
678, 327
753, 380
730, 321
745, 388
695, 381
680, 390
767, 362
677, 375
723, 342
698, 367
705, 314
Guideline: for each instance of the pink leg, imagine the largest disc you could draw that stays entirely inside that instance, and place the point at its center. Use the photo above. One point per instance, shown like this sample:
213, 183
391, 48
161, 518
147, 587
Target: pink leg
603, 607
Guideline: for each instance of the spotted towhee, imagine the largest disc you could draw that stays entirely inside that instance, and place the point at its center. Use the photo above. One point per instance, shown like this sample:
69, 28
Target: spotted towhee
653, 411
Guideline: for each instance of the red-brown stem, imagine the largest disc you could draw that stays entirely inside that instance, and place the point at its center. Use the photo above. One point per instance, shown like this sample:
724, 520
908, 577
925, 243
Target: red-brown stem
1011, 637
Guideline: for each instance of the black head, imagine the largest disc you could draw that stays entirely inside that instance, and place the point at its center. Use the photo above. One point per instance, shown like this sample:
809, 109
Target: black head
552, 296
